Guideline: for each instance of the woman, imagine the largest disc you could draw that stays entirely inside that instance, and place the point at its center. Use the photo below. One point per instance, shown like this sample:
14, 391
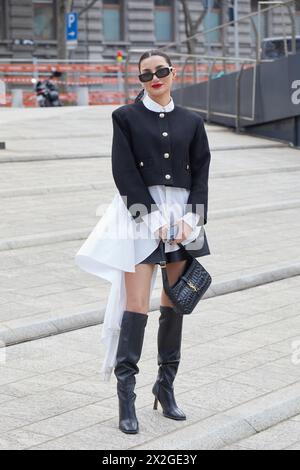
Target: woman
160, 165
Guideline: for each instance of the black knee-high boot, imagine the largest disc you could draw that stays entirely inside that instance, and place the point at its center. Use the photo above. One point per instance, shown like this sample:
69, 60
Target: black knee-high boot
128, 354
168, 358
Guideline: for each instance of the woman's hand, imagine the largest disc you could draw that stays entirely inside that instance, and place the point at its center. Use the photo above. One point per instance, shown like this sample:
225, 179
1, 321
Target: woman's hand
161, 232
184, 231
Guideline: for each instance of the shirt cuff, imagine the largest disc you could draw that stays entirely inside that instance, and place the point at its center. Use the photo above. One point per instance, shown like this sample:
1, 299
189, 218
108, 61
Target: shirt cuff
192, 219
154, 220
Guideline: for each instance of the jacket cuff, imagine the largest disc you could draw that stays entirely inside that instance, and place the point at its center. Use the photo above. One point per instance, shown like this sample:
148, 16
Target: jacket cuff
154, 220
192, 219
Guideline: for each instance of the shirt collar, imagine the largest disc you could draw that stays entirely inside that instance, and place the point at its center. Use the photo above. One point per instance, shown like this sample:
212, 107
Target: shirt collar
154, 106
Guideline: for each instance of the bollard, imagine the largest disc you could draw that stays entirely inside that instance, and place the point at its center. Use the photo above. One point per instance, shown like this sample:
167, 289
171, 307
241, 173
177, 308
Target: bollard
82, 96
17, 99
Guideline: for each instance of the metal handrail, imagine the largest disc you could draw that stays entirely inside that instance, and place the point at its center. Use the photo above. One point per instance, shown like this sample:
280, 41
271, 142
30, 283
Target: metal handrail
230, 23
213, 59
208, 105
279, 4
203, 56
237, 116
2, 91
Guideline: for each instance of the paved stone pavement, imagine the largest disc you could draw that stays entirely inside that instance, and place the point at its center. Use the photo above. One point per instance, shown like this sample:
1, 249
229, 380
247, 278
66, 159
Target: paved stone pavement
50, 206
72, 132
283, 436
237, 377
236, 349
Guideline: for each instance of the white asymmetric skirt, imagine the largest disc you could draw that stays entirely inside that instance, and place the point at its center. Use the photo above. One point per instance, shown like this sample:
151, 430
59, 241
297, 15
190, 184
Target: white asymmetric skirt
115, 245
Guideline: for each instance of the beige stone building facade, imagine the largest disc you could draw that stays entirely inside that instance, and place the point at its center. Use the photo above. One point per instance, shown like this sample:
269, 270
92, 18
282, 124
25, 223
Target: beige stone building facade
30, 28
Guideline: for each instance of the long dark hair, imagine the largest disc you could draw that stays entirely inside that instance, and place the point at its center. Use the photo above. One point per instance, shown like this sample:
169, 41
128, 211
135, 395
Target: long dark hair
146, 55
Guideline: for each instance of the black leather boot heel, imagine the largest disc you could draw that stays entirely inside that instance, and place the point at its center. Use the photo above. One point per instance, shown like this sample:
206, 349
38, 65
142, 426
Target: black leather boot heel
169, 346
128, 354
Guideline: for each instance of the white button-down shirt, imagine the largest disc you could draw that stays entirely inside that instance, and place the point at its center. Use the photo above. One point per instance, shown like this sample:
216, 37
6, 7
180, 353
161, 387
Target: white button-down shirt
168, 198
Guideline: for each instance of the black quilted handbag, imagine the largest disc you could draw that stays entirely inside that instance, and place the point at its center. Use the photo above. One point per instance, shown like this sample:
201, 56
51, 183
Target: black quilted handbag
190, 287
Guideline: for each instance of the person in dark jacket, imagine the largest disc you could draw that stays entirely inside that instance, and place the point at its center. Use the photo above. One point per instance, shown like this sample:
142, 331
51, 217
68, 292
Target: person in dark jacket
159, 150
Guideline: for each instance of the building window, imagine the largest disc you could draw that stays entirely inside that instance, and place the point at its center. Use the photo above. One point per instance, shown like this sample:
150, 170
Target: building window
2, 20
43, 20
263, 20
212, 19
163, 17
112, 17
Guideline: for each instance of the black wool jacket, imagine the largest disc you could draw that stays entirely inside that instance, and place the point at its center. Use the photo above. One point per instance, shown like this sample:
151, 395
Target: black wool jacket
150, 148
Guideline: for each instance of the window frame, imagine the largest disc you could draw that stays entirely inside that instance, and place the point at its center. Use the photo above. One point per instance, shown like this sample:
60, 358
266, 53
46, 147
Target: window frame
170, 8
265, 30
4, 29
216, 9
121, 7
52, 40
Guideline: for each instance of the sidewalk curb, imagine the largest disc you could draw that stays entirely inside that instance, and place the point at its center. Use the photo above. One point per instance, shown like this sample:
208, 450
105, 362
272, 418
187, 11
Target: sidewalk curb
229, 427
40, 158
39, 329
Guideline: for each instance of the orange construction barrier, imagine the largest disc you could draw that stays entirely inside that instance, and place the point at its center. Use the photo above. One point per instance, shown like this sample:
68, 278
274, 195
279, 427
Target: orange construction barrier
93, 76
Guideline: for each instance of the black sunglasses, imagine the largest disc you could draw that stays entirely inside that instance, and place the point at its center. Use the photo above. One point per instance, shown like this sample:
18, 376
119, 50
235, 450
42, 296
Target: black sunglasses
160, 73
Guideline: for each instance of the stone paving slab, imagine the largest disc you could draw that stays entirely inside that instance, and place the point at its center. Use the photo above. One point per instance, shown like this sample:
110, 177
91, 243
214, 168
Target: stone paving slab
43, 282
45, 213
44, 174
282, 436
39, 280
236, 378
61, 133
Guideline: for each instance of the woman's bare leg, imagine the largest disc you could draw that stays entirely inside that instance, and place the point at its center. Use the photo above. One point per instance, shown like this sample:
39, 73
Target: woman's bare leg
174, 271
138, 288
130, 343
